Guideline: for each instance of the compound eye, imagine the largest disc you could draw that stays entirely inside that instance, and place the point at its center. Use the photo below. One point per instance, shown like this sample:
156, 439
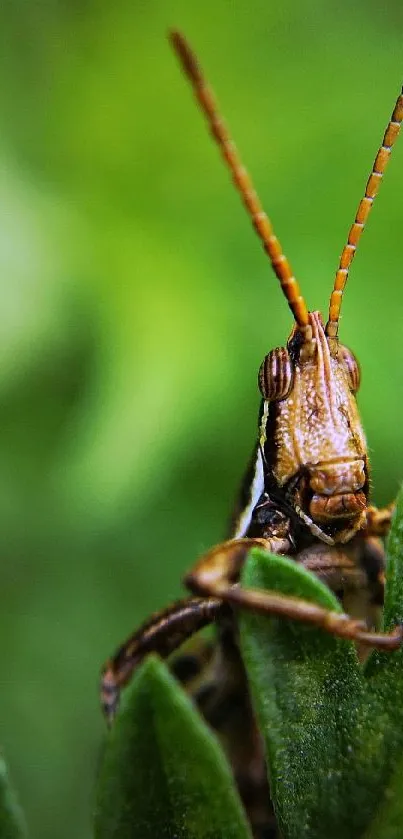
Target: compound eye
352, 368
275, 375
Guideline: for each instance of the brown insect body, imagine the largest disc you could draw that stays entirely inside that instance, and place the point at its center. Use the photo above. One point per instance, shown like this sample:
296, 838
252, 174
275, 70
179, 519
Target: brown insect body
305, 495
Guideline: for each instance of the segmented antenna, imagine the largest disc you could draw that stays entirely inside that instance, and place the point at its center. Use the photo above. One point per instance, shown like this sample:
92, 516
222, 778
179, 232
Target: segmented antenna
241, 179
364, 209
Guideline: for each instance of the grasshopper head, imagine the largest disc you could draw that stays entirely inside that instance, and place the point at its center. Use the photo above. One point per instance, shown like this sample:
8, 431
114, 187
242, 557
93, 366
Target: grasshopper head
311, 435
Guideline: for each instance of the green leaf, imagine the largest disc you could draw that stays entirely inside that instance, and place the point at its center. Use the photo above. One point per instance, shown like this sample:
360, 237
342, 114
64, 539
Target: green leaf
333, 731
163, 775
388, 823
393, 611
12, 825
384, 674
308, 692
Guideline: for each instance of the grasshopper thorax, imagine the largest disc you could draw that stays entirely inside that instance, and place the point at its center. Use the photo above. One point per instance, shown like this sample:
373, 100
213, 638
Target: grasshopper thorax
311, 437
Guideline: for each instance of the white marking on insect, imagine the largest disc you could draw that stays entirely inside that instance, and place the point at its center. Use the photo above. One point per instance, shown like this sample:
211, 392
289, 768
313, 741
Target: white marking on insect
262, 437
256, 489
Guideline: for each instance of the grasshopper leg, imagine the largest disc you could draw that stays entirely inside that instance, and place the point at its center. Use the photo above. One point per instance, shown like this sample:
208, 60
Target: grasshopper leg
216, 575
163, 633
378, 521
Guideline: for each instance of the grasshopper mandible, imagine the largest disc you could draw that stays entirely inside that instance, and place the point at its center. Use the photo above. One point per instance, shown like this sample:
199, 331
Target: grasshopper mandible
306, 491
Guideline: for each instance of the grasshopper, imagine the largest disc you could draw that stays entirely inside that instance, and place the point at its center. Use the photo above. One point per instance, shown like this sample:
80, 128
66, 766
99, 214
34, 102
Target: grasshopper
305, 495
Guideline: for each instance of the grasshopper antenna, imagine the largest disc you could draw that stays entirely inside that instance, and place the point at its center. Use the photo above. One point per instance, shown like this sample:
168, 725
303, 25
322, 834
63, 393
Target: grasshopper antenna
364, 209
242, 181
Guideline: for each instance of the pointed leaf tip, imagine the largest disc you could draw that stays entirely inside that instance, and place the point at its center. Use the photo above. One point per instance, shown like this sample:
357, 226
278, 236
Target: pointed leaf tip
163, 773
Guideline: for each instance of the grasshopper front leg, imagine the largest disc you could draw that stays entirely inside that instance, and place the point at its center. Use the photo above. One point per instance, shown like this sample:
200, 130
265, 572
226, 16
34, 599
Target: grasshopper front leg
216, 573
215, 580
379, 520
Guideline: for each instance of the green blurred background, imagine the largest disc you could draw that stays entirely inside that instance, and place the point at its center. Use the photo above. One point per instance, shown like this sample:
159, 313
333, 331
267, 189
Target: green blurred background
137, 304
